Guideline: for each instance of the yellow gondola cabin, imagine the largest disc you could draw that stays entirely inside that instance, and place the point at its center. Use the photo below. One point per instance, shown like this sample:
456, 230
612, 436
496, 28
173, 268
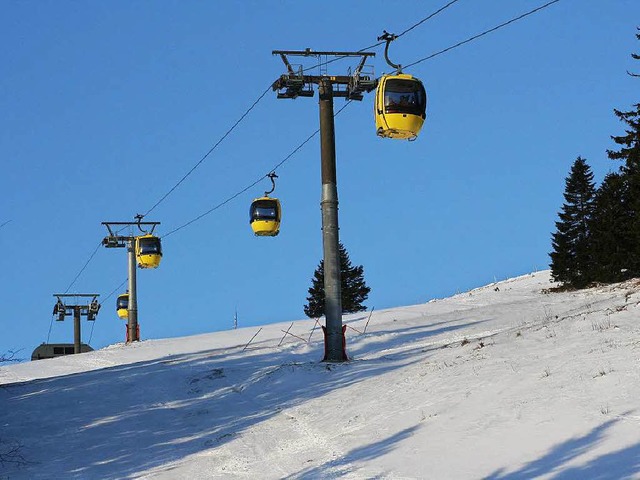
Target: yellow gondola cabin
122, 306
148, 251
264, 216
400, 106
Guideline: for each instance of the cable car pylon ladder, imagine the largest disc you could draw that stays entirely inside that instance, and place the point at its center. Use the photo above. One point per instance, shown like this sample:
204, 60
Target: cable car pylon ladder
295, 84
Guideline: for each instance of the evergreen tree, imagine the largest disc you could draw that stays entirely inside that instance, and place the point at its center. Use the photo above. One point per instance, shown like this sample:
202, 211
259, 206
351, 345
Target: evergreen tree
635, 56
571, 259
354, 290
629, 153
609, 232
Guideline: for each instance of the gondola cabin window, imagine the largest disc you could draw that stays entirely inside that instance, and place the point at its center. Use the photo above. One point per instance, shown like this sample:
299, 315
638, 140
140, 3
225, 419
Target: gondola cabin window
123, 302
264, 210
264, 216
148, 251
401, 96
150, 246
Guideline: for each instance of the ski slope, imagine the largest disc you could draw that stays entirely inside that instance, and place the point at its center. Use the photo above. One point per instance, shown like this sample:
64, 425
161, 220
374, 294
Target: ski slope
507, 381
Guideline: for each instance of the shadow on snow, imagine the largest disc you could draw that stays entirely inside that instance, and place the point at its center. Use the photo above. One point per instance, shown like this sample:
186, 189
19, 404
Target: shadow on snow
343, 465
120, 421
619, 465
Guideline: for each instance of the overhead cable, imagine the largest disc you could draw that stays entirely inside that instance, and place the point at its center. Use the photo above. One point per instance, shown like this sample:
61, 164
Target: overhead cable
102, 303
375, 45
425, 19
470, 39
83, 268
209, 152
248, 187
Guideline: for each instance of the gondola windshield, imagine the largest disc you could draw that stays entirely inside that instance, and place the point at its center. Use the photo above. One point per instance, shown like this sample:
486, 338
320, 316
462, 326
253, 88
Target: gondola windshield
123, 302
402, 96
150, 246
264, 210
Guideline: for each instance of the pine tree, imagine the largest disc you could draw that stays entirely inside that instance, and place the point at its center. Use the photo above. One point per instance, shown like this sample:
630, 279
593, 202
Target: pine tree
609, 233
571, 259
354, 290
629, 153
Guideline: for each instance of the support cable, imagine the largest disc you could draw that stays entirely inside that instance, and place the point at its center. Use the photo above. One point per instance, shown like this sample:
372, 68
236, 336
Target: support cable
424, 19
470, 39
50, 326
376, 45
83, 268
248, 187
103, 302
242, 117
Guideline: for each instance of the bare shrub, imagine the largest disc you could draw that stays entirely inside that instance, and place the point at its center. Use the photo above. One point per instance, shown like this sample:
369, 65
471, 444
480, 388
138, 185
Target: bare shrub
602, 325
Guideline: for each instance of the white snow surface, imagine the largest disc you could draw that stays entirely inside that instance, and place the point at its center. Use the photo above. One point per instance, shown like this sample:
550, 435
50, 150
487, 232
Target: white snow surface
508, 381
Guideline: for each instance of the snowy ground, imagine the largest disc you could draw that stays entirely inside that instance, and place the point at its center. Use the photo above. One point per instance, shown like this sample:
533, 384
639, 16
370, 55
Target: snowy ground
502, 382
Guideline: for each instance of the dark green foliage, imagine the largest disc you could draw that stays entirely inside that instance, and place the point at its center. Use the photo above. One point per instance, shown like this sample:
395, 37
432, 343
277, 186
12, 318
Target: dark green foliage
353, 288
598, 237
610, 240
571, 259
635, 56
629, 153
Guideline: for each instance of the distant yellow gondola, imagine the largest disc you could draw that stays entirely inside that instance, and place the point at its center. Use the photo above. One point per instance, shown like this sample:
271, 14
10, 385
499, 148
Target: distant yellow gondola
122, 306
148, 251
264, 216
400, 106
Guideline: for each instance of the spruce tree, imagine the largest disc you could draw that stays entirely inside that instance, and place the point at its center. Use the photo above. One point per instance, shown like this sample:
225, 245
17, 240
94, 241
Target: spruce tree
635, 56
354, 290
571, 259
609, 232
629, 153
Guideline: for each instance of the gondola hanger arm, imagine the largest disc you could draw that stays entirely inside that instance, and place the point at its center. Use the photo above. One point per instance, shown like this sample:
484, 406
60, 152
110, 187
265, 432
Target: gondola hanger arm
389, 37
139, 218
271, 176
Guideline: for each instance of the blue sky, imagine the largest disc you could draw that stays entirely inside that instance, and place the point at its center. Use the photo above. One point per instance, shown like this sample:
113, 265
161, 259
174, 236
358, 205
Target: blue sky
106, 105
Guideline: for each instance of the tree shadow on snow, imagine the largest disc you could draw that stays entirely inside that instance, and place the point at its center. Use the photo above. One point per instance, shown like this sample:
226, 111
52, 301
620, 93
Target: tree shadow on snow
343, 465
623, 464
383, 340
121, 421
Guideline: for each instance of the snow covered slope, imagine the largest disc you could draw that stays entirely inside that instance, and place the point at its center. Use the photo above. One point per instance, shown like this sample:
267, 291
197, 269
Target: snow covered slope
507, 381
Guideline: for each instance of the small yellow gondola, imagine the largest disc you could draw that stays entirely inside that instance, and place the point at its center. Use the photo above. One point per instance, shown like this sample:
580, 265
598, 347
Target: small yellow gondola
400, 106
264, 216
148, 251
122, 306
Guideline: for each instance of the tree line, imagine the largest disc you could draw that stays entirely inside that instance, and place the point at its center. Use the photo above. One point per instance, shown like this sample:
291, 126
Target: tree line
597, 237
